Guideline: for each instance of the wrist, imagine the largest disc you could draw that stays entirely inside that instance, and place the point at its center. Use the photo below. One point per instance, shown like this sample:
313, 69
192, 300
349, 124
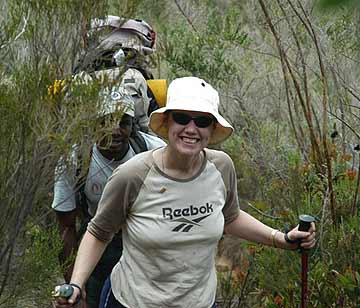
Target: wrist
291, 243
273, 238
277, 240
76, 285
80, 295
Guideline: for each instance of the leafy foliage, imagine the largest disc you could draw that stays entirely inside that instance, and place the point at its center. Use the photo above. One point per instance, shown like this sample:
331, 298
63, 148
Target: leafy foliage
204, 49
36, 266
335, 3
39, 124
288, 81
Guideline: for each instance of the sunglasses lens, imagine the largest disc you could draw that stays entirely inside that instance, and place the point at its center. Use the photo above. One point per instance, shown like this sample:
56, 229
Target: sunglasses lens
181, 118
203, 122
184, 119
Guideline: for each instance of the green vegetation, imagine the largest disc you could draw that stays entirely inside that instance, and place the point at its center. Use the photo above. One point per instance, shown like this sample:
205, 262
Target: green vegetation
288, 78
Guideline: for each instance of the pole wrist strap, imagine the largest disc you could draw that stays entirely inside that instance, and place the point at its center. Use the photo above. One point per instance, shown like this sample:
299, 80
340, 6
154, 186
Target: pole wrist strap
74, 285
288, 240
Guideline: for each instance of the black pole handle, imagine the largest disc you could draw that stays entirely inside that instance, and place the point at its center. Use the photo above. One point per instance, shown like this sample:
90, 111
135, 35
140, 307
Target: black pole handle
305, 222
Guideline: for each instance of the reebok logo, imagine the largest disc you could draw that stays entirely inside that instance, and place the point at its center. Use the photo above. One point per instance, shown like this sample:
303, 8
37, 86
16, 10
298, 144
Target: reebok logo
187, 224
187, 211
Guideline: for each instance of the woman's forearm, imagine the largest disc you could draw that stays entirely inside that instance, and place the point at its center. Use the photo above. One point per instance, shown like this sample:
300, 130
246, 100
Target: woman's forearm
251, 229
89, 253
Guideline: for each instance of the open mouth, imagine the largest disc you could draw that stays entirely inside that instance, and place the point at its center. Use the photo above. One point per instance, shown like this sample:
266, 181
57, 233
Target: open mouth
116, 142
189, 140
113, 143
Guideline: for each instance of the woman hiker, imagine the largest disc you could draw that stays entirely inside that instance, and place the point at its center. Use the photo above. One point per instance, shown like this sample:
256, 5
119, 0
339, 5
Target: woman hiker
173, 204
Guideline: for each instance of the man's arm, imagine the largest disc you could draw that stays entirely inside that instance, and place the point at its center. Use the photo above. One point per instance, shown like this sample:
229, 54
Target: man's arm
67, 226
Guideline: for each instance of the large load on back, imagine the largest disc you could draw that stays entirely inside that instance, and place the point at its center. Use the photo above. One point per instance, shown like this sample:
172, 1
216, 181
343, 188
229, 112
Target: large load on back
116, 51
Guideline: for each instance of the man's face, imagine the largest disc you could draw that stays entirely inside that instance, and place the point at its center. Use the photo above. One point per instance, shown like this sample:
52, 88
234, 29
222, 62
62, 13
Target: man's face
115, 135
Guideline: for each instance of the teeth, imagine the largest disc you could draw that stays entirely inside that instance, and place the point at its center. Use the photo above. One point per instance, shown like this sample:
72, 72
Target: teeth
189, 140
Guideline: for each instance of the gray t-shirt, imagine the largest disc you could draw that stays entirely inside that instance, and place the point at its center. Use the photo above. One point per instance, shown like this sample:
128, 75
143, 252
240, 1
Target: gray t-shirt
100, 168
170, 230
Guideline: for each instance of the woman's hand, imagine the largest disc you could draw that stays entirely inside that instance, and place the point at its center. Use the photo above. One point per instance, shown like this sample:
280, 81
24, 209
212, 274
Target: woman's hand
76, 299
306, 239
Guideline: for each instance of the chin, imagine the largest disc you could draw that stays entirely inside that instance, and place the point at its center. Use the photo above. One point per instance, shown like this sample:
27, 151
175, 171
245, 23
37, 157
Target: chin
117, 148
189, 150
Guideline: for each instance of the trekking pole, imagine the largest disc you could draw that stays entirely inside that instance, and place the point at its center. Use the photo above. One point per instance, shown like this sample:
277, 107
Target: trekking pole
65, 291
304, 225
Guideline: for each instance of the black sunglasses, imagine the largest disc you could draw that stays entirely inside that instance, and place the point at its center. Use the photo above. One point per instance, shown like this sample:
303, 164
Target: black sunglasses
184, 119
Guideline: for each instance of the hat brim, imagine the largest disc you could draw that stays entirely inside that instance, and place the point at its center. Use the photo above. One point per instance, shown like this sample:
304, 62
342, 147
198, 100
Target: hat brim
221, 132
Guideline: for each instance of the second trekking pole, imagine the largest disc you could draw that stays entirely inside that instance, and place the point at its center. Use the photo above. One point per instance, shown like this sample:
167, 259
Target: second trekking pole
304, 225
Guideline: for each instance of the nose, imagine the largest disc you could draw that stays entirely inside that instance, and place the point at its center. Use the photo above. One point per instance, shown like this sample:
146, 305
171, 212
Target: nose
117, 130
191, 126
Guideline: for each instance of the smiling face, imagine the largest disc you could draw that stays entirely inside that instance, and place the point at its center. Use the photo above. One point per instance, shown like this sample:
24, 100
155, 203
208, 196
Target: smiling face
184, 134
114, 142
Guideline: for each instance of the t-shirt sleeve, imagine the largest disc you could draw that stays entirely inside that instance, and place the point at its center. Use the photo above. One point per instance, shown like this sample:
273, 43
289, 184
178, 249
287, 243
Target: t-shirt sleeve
231, 209
112, 208
119, 195
64, 189
225, 166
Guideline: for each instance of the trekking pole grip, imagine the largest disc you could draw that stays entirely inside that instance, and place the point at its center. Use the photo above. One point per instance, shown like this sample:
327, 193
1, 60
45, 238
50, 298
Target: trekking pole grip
305, 222
304, 225
66, 290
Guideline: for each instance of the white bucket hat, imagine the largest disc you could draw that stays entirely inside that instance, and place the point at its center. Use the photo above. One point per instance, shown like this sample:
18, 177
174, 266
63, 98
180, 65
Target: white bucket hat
191, 94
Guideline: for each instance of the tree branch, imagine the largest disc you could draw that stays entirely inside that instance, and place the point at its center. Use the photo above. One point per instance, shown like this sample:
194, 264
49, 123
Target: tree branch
186, 17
